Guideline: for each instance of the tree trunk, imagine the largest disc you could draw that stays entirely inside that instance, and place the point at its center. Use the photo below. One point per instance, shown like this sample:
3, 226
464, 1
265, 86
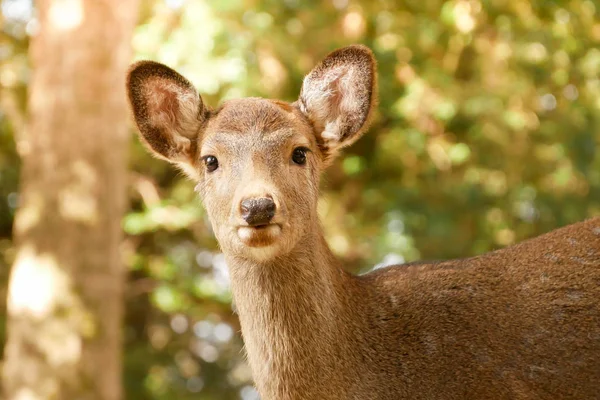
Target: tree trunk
65, 290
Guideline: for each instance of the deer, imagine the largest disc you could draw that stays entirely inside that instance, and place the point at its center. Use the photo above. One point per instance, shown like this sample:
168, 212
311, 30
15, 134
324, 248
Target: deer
521, 322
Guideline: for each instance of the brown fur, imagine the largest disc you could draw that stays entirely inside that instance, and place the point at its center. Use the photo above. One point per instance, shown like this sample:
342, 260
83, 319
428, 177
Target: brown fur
519, 323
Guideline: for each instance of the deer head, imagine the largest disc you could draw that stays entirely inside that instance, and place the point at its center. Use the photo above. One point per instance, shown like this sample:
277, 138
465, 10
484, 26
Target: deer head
257, 161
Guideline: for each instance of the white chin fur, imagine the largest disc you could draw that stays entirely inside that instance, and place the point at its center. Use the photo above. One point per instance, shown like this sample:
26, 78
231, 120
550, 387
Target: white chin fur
262, 254
252, 238
245, 232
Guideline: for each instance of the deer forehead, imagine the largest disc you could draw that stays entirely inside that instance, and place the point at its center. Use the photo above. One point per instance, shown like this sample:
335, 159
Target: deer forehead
256, 125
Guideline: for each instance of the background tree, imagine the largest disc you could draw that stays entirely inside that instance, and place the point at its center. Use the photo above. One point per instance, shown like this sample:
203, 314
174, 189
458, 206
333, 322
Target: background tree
65, 289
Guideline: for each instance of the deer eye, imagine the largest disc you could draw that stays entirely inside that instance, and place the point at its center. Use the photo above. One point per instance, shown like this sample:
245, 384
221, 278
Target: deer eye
211, 163
299, 155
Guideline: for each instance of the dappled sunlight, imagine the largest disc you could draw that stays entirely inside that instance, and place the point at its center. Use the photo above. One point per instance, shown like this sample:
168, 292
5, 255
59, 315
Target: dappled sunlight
61, 342
197, 29
334, 214
28, 394
78, 200
274, 73
463, 15
41, 292
162, 216
37, 284
66, 15
354, 25
147, 190
30, 212
438, 154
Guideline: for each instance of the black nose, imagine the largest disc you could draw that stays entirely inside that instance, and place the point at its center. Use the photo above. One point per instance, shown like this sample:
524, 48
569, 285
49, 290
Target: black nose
258, 211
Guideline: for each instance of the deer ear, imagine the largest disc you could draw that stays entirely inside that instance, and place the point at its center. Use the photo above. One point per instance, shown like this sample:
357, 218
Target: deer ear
338, 96
167, 109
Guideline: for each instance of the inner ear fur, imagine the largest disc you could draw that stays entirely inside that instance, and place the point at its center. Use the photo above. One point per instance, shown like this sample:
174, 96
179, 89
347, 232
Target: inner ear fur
167, 109
338, 96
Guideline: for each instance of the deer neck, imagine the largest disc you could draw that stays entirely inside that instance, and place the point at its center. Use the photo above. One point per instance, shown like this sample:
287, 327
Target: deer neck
290, 311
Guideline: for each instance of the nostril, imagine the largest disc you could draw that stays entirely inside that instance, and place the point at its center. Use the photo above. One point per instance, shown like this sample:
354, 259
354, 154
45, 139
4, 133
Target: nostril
246, 206
269, 206
258, 211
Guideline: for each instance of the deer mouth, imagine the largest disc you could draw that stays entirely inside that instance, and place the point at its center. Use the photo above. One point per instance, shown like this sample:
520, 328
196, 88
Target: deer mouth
259, 227
259, 235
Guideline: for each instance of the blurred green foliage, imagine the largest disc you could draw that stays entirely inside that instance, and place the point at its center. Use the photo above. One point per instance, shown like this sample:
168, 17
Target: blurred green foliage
487, 133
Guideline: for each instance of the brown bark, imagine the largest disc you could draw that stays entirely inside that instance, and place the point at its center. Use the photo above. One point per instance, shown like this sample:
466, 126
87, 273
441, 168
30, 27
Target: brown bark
66, 286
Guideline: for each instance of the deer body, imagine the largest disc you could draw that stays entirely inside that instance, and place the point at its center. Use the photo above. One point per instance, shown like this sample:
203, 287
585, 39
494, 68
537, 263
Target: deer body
518, 323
